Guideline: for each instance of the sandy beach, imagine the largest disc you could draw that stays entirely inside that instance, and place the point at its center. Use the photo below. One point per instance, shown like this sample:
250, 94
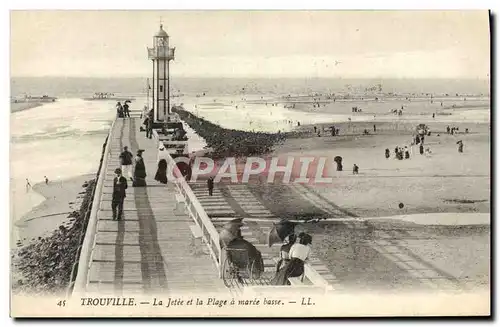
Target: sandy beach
61, 198
444, 182
453, 249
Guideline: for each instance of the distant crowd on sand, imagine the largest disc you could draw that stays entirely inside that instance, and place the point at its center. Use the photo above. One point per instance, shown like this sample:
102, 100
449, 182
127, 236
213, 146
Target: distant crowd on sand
405, 152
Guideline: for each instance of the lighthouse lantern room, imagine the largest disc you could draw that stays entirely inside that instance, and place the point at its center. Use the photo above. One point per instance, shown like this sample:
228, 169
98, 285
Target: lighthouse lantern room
161, 54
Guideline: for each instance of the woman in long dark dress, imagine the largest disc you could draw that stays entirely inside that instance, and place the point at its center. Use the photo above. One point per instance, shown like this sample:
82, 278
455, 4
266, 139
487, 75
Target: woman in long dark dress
285, 251
161, 173
139, 170
299, 252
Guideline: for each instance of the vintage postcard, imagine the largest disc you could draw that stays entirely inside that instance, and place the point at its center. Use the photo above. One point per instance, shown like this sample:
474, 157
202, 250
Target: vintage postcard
250, 163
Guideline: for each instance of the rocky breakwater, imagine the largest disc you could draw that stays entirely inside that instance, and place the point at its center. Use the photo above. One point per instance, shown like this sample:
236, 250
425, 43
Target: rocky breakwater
48, 265
230, 142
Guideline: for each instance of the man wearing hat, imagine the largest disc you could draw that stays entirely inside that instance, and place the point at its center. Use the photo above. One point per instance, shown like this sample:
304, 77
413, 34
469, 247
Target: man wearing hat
126, 162
119, 193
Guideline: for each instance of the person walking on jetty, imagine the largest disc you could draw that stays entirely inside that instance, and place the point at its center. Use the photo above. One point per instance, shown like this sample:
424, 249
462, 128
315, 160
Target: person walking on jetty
161, 172
119, 110
28, 184
46, 180
126, 111
139, 170
210, 185
149, 124
119, 194
144, 112
126, 162
460, 146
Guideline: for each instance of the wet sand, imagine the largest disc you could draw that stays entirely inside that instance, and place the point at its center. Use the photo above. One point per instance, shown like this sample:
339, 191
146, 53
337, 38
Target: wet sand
61, 198
20, 106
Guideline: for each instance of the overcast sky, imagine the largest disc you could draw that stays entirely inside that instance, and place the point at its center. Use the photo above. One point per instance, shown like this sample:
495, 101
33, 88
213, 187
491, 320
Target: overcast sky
350, 44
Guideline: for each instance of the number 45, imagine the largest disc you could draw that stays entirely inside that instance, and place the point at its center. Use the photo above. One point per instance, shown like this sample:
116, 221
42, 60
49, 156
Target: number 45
62, 303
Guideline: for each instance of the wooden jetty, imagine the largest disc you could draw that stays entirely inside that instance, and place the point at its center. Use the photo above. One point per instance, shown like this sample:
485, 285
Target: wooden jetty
153, 249
166, 242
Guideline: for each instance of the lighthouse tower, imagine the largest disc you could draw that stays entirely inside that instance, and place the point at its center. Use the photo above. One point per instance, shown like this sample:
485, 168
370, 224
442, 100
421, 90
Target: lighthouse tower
161, 54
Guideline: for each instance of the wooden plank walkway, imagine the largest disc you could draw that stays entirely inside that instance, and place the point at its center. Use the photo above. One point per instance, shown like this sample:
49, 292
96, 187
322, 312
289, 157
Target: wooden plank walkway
152, 250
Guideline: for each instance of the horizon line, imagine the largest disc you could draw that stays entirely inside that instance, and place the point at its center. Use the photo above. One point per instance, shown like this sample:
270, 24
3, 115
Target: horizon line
251, 77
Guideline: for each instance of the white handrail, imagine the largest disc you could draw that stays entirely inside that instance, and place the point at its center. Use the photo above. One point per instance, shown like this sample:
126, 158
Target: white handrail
196, 212
89, 239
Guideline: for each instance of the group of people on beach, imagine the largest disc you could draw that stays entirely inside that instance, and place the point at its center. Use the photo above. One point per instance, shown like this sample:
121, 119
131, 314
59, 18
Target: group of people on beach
28, 184
400, 153
398, 112
454, 130
135, 169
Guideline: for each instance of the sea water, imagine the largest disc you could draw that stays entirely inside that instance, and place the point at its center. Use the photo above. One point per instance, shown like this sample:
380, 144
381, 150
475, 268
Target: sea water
59, 140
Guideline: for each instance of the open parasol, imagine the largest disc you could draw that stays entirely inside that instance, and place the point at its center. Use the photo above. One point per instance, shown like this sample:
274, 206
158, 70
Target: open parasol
280, 231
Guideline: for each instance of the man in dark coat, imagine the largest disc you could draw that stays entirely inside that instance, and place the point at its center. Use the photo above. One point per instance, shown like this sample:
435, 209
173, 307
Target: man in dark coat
126, 111
139, 170
126, 162
149, 124
210, 184
119, 193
